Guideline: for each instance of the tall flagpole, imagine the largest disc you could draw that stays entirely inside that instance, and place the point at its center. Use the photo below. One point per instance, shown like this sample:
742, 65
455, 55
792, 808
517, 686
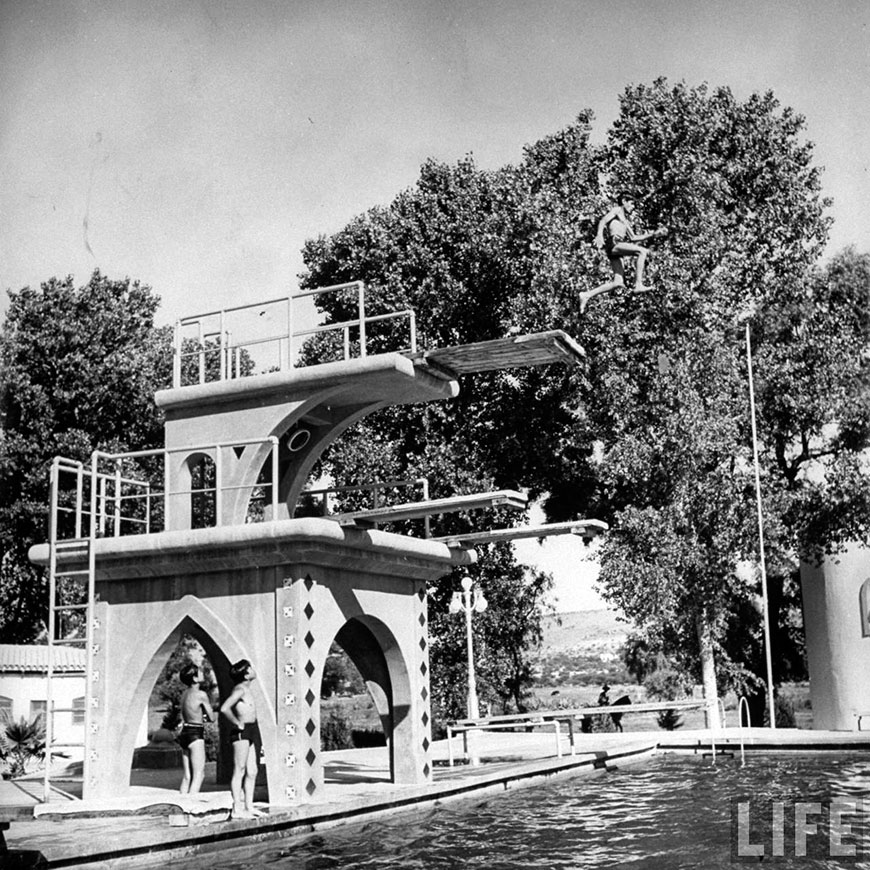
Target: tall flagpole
766, 614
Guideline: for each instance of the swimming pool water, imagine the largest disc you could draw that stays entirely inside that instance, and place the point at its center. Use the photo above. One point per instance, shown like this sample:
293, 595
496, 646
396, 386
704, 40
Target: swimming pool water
669, 812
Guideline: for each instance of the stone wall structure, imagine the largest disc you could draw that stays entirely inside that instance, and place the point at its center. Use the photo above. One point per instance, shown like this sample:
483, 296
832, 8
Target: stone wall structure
836, 602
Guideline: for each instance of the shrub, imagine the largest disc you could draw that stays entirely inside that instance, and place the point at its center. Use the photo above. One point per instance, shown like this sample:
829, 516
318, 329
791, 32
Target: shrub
21, 743
783, 709
363, 737
670, 720
212, 741
335, 733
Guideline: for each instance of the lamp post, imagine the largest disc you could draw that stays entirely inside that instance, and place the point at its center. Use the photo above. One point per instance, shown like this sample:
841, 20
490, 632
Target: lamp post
470, 601
766, 615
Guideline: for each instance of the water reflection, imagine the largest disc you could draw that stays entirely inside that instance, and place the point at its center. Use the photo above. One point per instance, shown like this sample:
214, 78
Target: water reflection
672, 812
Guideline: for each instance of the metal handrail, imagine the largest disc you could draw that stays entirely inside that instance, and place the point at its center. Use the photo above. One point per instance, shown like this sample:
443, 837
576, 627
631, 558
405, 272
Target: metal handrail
374, 487
229, 351
742, 702
148, 496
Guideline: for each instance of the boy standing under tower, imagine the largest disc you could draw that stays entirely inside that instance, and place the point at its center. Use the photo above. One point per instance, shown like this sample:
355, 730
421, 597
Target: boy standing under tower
239, 708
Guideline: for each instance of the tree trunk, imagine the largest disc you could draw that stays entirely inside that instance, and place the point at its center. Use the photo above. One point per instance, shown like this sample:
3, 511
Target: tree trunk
708, 669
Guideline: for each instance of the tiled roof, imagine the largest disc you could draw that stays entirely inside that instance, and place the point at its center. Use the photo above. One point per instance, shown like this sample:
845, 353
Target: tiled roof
31, 658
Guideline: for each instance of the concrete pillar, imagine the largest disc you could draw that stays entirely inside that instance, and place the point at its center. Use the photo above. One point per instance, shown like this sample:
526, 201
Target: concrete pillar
837, 638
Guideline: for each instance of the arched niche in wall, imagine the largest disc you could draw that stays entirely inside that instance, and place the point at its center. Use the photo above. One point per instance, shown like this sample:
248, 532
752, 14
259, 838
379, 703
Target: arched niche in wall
864, 607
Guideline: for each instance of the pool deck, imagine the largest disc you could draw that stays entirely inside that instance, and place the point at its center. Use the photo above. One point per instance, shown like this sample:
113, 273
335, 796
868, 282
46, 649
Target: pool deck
153, 824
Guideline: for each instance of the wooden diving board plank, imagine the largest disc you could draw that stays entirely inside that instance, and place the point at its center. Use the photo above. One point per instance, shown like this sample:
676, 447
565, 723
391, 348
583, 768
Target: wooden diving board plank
576, 712
584, 528
420, 509
504, 353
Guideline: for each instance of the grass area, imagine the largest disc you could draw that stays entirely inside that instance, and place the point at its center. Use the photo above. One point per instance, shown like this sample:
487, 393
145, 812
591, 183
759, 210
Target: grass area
552, 697
358, 710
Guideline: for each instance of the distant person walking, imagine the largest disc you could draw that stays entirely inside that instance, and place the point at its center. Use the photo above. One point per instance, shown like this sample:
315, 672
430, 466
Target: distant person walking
241, 711
196, 710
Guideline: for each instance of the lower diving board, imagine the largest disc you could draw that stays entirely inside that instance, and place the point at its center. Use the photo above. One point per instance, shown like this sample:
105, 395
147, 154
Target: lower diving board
583, 528
421, 509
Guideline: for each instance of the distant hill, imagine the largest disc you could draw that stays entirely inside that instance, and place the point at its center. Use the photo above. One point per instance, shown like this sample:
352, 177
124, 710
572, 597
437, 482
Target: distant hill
583, 629
581, 648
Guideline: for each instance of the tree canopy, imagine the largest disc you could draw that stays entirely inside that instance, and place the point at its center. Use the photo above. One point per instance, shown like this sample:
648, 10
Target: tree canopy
78, 371
654, 434
651, 435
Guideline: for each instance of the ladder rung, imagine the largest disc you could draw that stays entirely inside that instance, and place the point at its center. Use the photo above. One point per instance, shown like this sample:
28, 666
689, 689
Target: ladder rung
67, 745
59, 607
69, 543
67, 641
66, 574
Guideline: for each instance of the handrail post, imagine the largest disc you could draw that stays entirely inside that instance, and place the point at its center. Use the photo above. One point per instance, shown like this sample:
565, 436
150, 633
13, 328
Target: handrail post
290, 332
52, 581
218, 481
413, 331
275, 444
117, 517
427, 527
709, 717
104, 496
176, 359
79, 491
362, 317
740, 704
223, 346
166, 499
89, 631
201, 354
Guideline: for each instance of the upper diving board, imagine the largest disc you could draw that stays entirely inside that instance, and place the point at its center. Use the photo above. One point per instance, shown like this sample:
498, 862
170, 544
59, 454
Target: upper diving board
518, 351
583, 528
422, 509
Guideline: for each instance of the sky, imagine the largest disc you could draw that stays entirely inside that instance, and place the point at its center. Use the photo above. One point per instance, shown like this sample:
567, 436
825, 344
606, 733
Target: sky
196, 145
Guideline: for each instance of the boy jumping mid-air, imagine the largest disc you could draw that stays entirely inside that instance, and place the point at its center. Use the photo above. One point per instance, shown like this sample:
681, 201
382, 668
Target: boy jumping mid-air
618, 239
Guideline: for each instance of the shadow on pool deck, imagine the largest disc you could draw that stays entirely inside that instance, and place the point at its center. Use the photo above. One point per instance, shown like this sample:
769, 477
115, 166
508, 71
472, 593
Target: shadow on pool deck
134, 829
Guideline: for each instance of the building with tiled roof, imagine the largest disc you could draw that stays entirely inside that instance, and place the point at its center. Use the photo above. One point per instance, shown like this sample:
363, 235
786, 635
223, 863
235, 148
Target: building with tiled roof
24, 692
24, 689
31, 658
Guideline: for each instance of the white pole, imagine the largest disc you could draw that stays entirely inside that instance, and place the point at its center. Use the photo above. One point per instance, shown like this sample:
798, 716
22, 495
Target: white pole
766, 615
473, 706
468, 602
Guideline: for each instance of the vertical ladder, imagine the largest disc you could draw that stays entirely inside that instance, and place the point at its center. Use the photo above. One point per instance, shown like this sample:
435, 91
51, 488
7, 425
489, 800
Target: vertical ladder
71, 596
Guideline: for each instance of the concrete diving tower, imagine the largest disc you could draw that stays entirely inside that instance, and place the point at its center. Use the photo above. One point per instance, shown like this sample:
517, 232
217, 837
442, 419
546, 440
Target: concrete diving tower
197, 559
306, 409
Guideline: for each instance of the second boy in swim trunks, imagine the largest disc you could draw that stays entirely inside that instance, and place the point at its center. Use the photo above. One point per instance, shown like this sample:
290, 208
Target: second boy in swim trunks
240, 710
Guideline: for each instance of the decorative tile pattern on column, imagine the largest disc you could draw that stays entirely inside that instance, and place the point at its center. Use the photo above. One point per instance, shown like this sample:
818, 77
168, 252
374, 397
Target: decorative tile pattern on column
289, 710
425, 704
98, 753
310, 701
